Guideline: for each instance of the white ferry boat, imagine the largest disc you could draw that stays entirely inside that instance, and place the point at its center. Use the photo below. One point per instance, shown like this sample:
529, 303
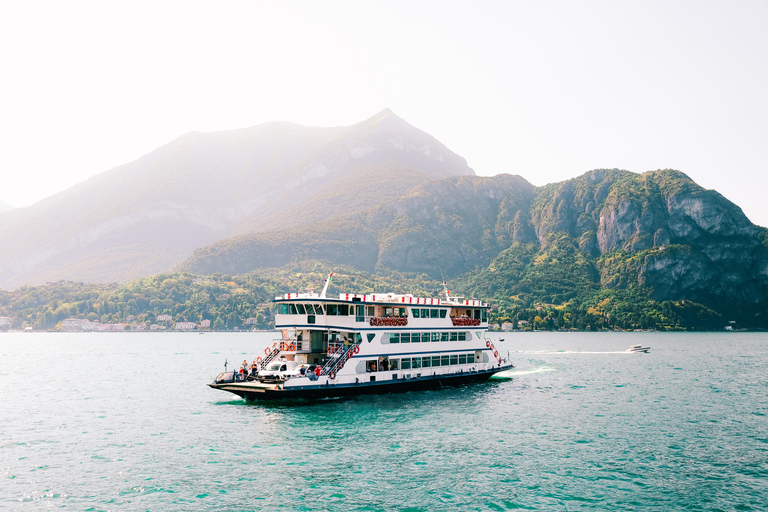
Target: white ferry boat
374, 343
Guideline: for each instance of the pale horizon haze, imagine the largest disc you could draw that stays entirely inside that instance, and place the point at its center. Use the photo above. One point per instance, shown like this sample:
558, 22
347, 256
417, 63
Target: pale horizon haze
545, 89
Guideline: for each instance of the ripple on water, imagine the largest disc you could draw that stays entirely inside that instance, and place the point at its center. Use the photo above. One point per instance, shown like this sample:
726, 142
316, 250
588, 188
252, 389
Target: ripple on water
575, 426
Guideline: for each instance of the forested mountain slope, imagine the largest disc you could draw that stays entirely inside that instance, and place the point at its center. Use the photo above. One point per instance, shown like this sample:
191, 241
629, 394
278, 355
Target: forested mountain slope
145, 216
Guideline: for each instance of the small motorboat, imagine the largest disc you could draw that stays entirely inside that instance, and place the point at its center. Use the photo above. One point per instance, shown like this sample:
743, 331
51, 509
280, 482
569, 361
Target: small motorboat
638, 348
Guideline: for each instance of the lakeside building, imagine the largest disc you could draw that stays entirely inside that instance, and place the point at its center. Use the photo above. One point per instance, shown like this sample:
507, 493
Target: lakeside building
186, 326
205, 324
5, 322
164, 318
84, 325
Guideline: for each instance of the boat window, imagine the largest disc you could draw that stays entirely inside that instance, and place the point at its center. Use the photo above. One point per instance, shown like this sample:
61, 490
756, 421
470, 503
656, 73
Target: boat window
292, 309
462, 358
462, 336
274, 366
415, 313
424, 313
394, 364
435, 360
405, 337
443, 312
319, 309
454, 359
332, 309
282, 309
388, 311
402, 312
444, 361
394, 337
310, 319
435, 336
359, 314
484, 316
444, 336
405, 364
344, 309
415, 337
300, 308
370, 337
425, 362
371, 311
433, 313
415, 362
454, 336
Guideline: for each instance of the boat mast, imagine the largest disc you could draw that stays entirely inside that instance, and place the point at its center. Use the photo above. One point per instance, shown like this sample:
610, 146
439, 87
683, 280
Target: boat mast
445, 287
327, 282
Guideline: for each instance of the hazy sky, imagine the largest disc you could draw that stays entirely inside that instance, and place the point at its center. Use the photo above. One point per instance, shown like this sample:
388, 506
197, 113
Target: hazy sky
544, 89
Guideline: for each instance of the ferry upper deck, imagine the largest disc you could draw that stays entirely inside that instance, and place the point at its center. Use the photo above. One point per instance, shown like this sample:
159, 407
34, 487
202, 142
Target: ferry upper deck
376, 311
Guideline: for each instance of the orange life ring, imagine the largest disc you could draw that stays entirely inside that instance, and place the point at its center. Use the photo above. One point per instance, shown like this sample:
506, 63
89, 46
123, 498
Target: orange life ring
292, 347
487, 343
267, 350
332, 375
495, 354
357, 349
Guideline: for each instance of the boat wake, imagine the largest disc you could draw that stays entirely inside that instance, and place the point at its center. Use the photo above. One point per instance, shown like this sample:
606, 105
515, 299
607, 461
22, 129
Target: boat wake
539, 352
510, 374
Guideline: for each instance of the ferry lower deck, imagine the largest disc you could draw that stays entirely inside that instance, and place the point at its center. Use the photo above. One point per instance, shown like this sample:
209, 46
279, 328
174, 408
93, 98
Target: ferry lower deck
324, 388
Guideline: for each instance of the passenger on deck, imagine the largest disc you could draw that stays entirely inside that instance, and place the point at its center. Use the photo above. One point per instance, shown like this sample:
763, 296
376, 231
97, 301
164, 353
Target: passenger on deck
254, 368
318, 371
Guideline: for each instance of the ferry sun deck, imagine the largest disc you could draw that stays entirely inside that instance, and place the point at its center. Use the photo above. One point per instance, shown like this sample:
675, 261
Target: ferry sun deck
369, 344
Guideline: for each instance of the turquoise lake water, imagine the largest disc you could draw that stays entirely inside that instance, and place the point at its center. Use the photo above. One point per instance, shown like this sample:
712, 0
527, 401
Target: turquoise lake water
126, 422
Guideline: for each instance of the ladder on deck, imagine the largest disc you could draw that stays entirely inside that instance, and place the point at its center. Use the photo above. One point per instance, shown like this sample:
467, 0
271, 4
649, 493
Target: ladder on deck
276, 351
335, 364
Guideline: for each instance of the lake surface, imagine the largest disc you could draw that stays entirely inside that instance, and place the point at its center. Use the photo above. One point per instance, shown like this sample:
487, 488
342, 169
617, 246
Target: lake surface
126, 422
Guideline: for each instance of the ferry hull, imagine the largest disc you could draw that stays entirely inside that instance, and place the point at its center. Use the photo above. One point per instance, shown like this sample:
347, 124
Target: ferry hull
254, 391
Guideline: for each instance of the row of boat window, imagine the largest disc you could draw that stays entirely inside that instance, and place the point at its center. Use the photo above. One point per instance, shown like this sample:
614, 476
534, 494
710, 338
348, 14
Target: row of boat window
361, 311
425, 337
409, 363
347, 310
